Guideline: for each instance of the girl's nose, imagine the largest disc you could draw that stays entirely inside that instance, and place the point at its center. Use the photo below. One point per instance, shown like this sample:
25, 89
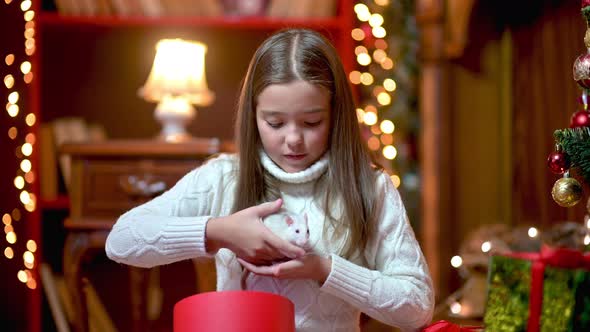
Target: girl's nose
294, 138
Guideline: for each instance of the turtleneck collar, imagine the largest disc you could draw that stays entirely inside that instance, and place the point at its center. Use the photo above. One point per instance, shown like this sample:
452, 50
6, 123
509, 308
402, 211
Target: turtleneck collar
309, 174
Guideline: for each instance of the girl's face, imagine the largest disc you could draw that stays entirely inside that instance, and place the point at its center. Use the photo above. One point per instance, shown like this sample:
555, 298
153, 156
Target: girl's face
294, 123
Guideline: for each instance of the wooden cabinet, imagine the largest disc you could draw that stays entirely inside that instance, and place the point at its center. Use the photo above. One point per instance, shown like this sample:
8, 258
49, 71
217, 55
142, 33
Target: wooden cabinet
108, 179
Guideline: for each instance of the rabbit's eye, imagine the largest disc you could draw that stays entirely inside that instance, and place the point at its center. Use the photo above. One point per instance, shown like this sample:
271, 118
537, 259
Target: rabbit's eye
297, 231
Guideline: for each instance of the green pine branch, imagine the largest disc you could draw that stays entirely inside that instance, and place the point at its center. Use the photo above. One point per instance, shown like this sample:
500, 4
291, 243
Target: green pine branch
575, 142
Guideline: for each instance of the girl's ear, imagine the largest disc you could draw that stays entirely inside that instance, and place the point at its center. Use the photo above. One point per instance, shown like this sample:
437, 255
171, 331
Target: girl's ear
288, 220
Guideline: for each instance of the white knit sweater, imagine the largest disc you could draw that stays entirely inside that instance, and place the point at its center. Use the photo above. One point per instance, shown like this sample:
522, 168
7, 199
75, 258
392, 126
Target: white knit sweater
395, 288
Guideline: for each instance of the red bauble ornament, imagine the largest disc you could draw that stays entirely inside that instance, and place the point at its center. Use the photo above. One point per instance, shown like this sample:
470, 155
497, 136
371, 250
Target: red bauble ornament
558, 162
582, 70
585, 3
580, 119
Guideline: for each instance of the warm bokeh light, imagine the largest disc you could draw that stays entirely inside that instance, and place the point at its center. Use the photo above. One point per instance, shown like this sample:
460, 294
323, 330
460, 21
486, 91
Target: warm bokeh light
384, 98
30, 119
28, 78
379, 32
386, 139
29, 33
533, 232
29, 15
371, 108
389, 84
16, 214
362, 12
27, 149
455, 308
22, 276
25, 197
456, 261
370, 118
9, 81
367, 78
12, 110
377, 90
32, 283
25, 67
30, 138
30, 177
355, 77
363, 59
28, 257
31, 246
376, 20
387, 126
382, 3
360, 113
12, 132
486, 246
375, 130
379, 55
387, 64
13, 97
6, 219
357, 34
9, 253
25, 165
373, 143
396, 180
389, 152
25, 5
19, 182
11, 237
381, 44
8, 229
360, 49
9, 59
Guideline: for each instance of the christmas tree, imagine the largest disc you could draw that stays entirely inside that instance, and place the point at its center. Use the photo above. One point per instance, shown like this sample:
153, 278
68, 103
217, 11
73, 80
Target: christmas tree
572, 148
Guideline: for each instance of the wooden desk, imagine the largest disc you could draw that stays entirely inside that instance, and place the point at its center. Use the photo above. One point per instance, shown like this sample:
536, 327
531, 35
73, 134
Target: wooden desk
107, 179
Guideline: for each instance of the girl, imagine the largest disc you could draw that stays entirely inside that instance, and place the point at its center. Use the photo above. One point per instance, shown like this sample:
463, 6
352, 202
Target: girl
299, 151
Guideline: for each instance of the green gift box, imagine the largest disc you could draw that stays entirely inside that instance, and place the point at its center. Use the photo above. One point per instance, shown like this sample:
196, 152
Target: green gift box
547, 291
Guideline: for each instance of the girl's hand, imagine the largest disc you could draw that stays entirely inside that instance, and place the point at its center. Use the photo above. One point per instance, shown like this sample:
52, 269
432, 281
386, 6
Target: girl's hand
245, 234
310, 266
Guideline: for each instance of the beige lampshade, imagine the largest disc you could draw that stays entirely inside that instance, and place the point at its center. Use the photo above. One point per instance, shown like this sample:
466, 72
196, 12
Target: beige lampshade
178, 71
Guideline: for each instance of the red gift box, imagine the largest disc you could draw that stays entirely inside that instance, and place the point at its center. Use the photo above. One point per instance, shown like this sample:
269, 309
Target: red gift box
234, 311
555, 257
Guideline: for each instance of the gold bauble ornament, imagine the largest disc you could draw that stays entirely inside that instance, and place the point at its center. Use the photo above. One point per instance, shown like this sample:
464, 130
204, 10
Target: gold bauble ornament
567, 192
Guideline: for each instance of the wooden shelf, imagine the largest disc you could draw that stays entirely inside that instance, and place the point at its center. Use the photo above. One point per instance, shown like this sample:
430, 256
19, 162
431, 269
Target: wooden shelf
250, 23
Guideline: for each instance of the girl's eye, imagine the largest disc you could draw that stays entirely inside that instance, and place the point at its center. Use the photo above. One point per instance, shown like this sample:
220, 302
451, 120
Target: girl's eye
274, 124
313, 124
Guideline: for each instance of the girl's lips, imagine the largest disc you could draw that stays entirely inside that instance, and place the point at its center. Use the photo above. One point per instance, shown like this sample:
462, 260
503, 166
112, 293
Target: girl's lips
295, 156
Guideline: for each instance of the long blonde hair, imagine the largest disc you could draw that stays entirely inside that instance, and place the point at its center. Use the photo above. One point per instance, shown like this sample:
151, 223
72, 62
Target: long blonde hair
301, 54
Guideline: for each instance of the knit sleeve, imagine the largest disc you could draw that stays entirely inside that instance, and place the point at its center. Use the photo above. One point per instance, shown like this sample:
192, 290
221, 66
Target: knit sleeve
399, 290
171, 227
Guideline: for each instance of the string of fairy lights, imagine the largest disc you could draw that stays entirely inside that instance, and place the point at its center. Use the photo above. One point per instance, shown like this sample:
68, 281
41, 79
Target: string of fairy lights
20, 132
381, 129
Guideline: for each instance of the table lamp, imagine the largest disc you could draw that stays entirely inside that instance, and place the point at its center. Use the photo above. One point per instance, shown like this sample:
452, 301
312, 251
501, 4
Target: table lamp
177, 82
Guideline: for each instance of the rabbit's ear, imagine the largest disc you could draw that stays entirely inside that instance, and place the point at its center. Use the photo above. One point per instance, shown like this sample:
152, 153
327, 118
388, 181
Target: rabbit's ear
288, 220
305, 217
